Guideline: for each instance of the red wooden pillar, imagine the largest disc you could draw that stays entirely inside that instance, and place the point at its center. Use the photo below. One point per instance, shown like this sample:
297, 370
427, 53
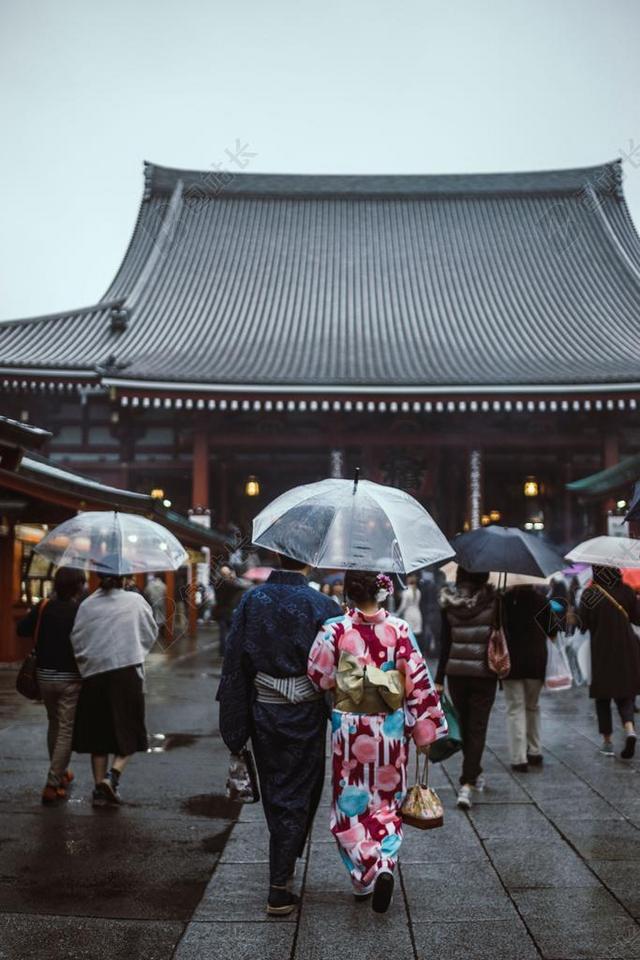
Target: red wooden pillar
223, 505
10, 647
200, 474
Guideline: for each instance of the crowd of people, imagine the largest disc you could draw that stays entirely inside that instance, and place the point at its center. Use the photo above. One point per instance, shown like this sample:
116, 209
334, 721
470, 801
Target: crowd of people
289, 651
356, 644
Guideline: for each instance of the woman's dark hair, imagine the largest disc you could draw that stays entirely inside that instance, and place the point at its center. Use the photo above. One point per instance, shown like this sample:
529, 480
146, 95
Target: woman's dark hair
110, 581
475, 580
68, 582
290, 563
361, 586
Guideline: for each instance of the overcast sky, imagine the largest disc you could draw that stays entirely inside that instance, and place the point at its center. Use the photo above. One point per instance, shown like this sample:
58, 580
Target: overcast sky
90, 89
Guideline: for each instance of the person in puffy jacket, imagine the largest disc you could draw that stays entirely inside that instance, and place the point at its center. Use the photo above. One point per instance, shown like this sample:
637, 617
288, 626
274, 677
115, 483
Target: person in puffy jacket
468, 614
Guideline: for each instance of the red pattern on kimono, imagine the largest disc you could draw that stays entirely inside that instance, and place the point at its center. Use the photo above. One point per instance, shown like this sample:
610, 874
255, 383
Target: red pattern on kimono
370, 750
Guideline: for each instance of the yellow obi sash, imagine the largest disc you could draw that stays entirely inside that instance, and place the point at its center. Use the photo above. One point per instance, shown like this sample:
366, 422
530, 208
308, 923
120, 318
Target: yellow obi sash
367, 689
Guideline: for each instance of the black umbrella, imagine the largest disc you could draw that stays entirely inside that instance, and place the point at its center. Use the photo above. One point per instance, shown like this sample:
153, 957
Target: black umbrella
505, 550
633, 513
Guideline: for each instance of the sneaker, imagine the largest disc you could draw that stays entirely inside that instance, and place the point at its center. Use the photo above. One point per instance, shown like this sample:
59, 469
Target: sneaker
53, 795
464, 797
607, 750
480, 784
382, 892
106, 794
534, 759
281, 902
629, 747
520, 767
110, 786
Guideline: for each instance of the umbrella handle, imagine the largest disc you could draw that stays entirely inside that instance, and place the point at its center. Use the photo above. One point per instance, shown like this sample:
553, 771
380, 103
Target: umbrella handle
356, 479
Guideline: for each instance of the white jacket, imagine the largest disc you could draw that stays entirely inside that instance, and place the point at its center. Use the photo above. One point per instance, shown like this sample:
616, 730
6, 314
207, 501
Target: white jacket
112, 629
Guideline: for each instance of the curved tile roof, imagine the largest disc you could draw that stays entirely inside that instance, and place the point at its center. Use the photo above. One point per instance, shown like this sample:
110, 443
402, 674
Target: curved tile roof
476, 282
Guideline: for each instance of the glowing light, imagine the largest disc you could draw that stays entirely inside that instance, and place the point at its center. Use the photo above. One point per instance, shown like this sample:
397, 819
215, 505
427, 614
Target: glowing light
531, 487
252, 487
495, 516
157, 493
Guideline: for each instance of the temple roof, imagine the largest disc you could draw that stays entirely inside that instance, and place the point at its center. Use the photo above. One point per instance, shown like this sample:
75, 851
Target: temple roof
462, 284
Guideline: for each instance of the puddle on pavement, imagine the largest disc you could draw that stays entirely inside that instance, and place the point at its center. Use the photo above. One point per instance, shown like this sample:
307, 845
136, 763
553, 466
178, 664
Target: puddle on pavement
213, 805
162, 742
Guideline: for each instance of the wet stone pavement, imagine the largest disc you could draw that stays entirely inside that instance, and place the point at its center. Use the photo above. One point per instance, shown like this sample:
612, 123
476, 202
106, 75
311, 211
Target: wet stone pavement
547, 864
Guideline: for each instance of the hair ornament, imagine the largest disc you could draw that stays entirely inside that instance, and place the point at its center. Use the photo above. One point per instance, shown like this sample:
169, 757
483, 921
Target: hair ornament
385, 587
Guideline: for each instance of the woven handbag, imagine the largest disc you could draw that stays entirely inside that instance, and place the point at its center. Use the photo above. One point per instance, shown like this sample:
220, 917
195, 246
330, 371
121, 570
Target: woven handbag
422, 807
27, 679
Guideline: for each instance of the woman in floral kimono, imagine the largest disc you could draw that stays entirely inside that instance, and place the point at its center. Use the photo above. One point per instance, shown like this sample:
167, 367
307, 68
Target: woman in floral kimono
383, 696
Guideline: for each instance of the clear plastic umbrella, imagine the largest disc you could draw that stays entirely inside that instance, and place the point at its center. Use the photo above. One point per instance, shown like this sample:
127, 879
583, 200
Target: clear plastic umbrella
622, 552
111, 542
339, 524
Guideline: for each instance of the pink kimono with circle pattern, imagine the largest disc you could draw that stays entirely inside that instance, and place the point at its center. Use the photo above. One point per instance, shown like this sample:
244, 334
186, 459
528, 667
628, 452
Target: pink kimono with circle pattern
370, 750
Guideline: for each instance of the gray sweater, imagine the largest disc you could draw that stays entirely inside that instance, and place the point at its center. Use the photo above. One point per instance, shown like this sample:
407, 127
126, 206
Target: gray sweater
113, 629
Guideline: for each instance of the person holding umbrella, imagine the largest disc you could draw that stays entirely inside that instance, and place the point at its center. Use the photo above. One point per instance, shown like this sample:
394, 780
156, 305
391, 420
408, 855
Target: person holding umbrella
111, 637
607, 609
383, 696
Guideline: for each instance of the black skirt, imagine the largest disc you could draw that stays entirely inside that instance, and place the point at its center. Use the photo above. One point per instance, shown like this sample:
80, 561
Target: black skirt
110, 714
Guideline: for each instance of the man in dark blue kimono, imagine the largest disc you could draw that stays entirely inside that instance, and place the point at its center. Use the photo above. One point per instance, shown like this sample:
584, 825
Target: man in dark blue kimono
265, 695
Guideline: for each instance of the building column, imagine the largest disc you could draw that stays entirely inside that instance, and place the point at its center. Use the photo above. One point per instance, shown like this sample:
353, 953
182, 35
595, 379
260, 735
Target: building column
474, 485
336, 464
610, 456
11, 649
568, 504
200, 471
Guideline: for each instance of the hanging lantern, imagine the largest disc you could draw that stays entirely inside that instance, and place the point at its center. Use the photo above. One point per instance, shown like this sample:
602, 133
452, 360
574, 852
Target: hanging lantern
485, 519
531, 487
494, 516
157, 493
252, 487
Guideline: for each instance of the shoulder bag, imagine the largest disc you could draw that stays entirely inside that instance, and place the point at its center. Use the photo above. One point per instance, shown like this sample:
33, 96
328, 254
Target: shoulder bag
27, 679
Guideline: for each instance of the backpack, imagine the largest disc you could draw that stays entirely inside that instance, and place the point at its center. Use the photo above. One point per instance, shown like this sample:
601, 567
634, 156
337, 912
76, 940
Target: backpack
498, 659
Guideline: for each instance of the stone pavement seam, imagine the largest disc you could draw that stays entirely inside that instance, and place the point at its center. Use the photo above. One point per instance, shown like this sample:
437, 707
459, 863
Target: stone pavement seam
564, 837
497, 873
412, 935
296, 932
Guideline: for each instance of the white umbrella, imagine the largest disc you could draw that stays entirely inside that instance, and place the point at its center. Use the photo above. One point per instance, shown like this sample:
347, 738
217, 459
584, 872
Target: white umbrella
110, 542
342, 525
607, 552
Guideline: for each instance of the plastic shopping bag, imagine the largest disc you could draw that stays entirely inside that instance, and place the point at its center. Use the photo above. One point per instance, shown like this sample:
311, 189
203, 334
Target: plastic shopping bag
584, 657
572, 646
447, 746
558, 675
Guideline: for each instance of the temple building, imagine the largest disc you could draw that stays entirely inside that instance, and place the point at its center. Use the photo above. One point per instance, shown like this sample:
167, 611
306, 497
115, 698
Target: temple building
472, 338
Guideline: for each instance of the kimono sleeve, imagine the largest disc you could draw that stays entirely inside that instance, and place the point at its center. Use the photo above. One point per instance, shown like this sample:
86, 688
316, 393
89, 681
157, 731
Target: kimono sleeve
424, 716
235, 690
321, 668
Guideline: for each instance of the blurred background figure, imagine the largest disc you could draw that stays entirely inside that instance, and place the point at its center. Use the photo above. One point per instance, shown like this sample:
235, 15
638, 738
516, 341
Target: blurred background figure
228, 590
155, 593
410, 607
